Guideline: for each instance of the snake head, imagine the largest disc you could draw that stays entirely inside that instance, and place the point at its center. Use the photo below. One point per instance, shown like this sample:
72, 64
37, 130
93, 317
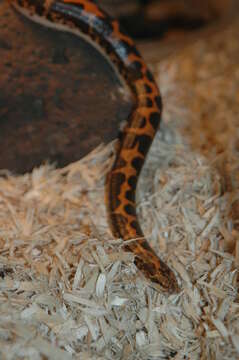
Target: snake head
160, 275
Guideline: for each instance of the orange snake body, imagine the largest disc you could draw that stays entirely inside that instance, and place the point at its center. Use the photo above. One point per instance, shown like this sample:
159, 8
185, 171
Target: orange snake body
85, 18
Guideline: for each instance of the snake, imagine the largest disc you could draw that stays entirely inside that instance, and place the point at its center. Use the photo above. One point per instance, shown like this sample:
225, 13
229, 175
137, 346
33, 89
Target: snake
86, 19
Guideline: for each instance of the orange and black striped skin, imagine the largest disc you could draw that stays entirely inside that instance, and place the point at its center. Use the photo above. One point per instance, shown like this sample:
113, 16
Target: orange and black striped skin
86, 19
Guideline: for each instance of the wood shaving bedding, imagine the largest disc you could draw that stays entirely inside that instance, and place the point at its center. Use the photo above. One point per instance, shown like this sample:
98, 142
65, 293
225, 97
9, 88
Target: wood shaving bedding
68, 289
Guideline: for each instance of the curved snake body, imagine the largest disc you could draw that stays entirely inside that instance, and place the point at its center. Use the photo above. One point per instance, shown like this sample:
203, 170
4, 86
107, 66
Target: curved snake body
86, 19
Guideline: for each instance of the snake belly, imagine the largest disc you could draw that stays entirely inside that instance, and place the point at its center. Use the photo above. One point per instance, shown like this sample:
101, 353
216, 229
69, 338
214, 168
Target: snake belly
84, 18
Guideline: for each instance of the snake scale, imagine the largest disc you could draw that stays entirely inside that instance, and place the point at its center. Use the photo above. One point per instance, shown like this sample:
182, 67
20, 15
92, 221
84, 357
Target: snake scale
84, 18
